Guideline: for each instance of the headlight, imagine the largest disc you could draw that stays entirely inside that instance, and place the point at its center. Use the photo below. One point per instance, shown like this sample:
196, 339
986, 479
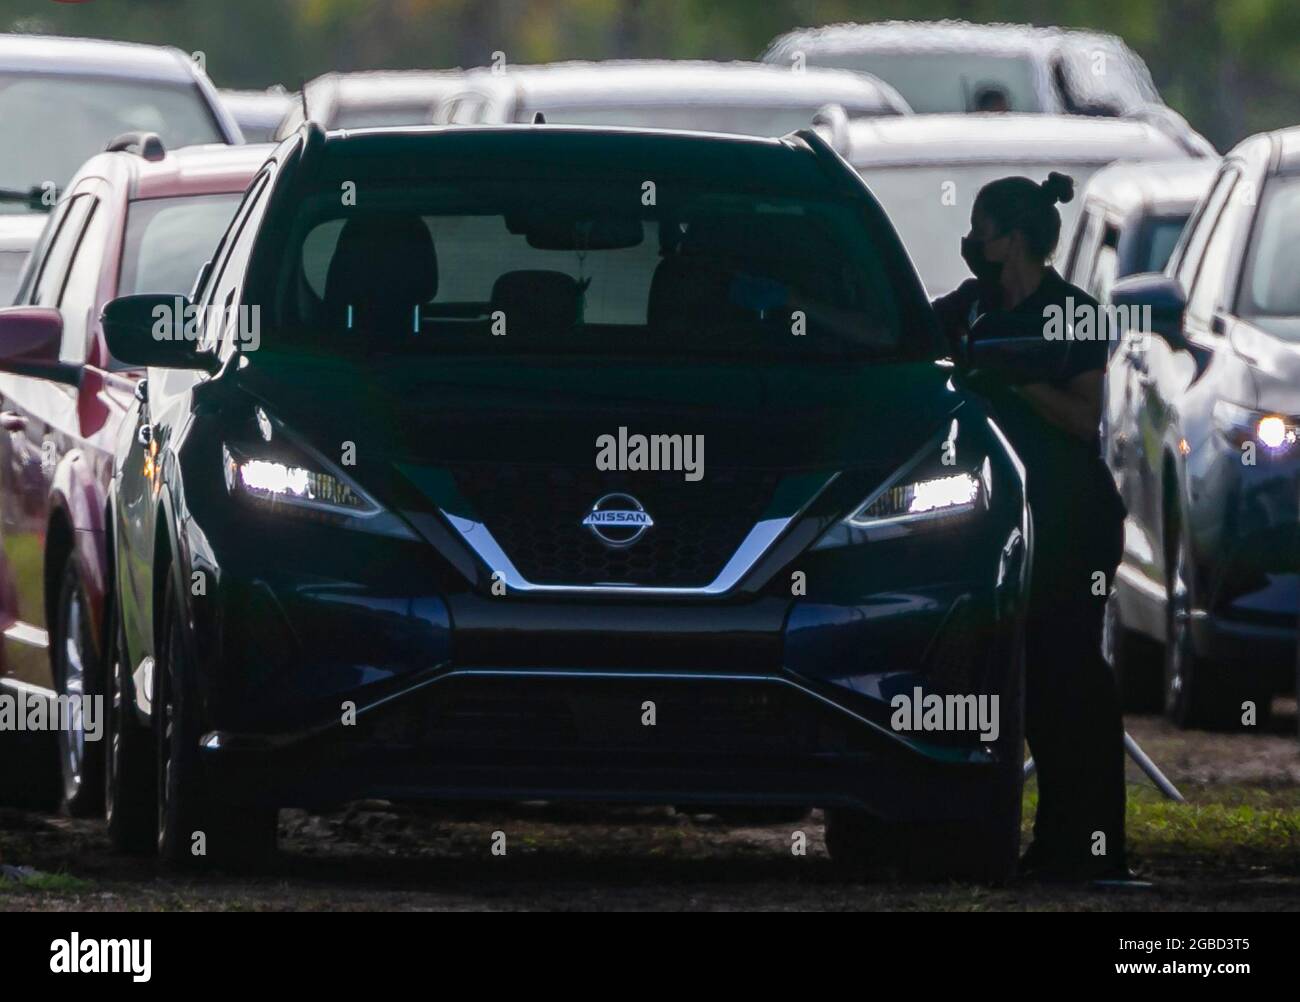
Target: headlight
941, 497
278, 471
925, 493
1277, 433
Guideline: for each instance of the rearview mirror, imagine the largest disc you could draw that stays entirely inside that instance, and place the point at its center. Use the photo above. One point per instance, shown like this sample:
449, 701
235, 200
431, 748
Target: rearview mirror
155, 330
1151, 304
29, 344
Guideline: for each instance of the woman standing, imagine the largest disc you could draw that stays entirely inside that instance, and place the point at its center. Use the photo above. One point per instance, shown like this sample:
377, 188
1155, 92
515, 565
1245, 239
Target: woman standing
1051, 417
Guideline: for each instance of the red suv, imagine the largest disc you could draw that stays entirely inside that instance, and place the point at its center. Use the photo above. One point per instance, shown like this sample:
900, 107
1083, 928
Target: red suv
134, 219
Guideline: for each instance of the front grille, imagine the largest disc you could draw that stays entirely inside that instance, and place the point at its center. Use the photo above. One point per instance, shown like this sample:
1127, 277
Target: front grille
535, 514
707, 717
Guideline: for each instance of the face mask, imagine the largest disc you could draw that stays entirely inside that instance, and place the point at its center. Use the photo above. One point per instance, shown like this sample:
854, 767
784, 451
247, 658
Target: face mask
972, 252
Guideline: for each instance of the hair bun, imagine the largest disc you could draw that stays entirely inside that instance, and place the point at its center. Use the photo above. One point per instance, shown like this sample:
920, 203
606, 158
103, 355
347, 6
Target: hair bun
1058, 187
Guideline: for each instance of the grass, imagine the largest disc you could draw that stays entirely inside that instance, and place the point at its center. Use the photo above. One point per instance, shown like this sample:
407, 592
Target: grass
1239, 824
53, 883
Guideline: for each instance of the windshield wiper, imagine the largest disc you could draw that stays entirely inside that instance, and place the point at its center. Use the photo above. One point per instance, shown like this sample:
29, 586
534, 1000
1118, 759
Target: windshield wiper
35, 197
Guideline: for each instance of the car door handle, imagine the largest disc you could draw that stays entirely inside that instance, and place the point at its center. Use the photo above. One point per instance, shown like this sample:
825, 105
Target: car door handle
13, 421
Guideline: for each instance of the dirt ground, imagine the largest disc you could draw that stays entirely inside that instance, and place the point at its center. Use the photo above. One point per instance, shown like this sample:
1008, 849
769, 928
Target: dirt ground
1234, 845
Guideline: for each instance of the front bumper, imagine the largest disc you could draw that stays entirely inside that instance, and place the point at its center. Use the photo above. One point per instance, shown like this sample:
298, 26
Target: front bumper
502, 734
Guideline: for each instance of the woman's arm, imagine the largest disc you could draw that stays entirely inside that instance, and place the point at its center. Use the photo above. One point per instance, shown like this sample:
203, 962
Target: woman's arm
1076, 408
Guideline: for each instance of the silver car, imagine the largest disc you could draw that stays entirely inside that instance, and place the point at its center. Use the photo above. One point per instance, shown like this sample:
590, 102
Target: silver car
927, 169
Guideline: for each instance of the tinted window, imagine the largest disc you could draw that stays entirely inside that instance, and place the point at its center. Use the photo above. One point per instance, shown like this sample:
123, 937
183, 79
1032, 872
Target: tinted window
88, 113
169, 239
587, 267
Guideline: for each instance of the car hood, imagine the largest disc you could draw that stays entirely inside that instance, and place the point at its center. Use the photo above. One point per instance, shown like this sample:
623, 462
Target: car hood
457, 410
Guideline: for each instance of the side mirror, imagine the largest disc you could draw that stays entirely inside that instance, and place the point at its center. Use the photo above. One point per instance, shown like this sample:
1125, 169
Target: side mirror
29, 344
155, 331
1150, 304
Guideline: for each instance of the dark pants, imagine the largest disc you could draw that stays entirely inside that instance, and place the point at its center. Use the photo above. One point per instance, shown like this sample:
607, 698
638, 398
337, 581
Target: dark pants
1072, 711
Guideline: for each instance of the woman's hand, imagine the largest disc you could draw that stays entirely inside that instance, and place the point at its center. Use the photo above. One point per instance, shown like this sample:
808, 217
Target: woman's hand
1075, 409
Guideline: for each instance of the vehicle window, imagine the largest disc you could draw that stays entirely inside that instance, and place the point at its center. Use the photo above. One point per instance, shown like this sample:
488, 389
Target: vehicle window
1271, 287
932, 228
1163, 237
231, 278
585, 266
1188, 253
169, 239
221, 251
11, 269
944, 82
54, 265
81, 289
1211, 278
89, 111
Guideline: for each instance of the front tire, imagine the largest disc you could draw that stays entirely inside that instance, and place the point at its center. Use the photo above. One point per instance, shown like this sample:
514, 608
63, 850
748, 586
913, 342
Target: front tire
129, 793
193, 827
1199, 693
78, 678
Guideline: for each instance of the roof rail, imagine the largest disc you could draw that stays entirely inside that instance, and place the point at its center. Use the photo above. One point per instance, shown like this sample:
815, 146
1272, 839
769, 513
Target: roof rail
147, 145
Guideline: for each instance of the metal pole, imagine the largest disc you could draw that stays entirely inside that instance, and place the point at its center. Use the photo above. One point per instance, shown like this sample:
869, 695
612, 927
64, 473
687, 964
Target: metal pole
1144, 763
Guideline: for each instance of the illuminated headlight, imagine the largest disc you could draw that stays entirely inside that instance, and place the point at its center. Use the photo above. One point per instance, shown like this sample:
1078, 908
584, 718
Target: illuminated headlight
298, 481
1239, 425
939, 497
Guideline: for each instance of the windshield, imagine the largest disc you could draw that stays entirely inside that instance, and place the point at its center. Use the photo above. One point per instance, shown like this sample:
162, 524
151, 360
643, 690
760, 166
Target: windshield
52, 125
585, 266
765, 120
945, 82
169, 239
1271, 287
931, 208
